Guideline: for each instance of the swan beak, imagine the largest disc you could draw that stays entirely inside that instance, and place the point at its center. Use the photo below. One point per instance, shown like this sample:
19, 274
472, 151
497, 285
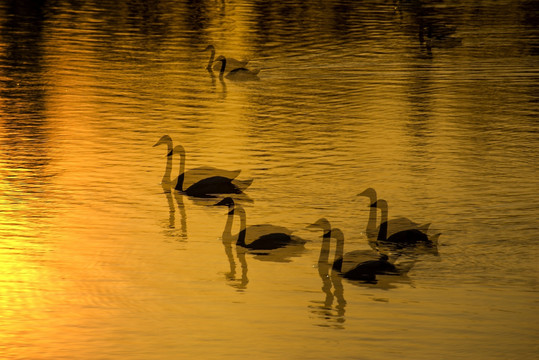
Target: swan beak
226, 201
161, 141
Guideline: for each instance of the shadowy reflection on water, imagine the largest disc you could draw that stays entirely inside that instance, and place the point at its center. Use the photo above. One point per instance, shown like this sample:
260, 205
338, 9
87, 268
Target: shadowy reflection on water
434, 104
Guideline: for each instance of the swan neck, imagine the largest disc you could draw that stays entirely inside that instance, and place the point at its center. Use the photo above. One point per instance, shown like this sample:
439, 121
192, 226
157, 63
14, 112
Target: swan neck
324, 250
371, 224
382, 235
168, 170
181, 175
212, 56
339, 250
243, 226
223, 66
227, 232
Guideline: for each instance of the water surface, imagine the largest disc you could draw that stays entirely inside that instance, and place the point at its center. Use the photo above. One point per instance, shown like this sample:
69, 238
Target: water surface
432, 104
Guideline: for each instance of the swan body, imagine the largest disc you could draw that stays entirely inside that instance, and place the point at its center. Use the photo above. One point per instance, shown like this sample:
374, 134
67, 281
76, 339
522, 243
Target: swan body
231, 62
349, 259
239, 74
257, 237
213, 185
393, 226
193, 175
364, 270
409, 236
209, 186
358, 264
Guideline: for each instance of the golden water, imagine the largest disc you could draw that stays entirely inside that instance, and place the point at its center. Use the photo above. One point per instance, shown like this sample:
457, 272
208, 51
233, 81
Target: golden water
98, 263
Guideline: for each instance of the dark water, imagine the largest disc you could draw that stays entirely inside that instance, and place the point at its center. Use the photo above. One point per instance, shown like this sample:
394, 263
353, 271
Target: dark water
433, 104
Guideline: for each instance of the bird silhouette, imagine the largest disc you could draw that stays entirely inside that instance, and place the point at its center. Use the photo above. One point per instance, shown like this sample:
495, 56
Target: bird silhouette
357, 264
393, 226
364, 270
210, 186
239, 74
257, 237
351, 258
404, 237
231, 62
191, 176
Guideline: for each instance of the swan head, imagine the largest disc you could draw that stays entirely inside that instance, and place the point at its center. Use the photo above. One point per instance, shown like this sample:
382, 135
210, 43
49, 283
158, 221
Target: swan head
337, 234
220, 58
178, 149
321, 223
380, 203
228, 201
369, 192
165, 139
209, 47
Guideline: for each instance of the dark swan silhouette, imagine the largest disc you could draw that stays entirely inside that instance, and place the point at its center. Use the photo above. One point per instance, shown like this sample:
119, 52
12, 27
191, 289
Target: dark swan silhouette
257, 237
350, 258
357, 264
210, 186
364, 270
404, 237
238, 74
232, 63
393, 226
191, 176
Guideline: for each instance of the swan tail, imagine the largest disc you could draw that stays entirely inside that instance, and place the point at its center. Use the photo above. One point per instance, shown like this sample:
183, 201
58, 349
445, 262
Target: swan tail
242, 184
434, 238
424, 228
405, 266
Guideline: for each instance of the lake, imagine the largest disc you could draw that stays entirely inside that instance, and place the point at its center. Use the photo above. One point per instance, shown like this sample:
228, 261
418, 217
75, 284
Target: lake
433, 104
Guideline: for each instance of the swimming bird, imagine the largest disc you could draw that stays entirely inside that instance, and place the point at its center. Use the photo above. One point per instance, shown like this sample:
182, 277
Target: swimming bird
209, 186
239, 74
393, 226
258, 237
231, 62
191, 176
347, 261
404, 237
363, 270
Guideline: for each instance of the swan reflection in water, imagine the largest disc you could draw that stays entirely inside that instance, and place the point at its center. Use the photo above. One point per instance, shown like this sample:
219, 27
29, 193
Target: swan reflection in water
333, 316
171, 228
231, 276
264, 242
